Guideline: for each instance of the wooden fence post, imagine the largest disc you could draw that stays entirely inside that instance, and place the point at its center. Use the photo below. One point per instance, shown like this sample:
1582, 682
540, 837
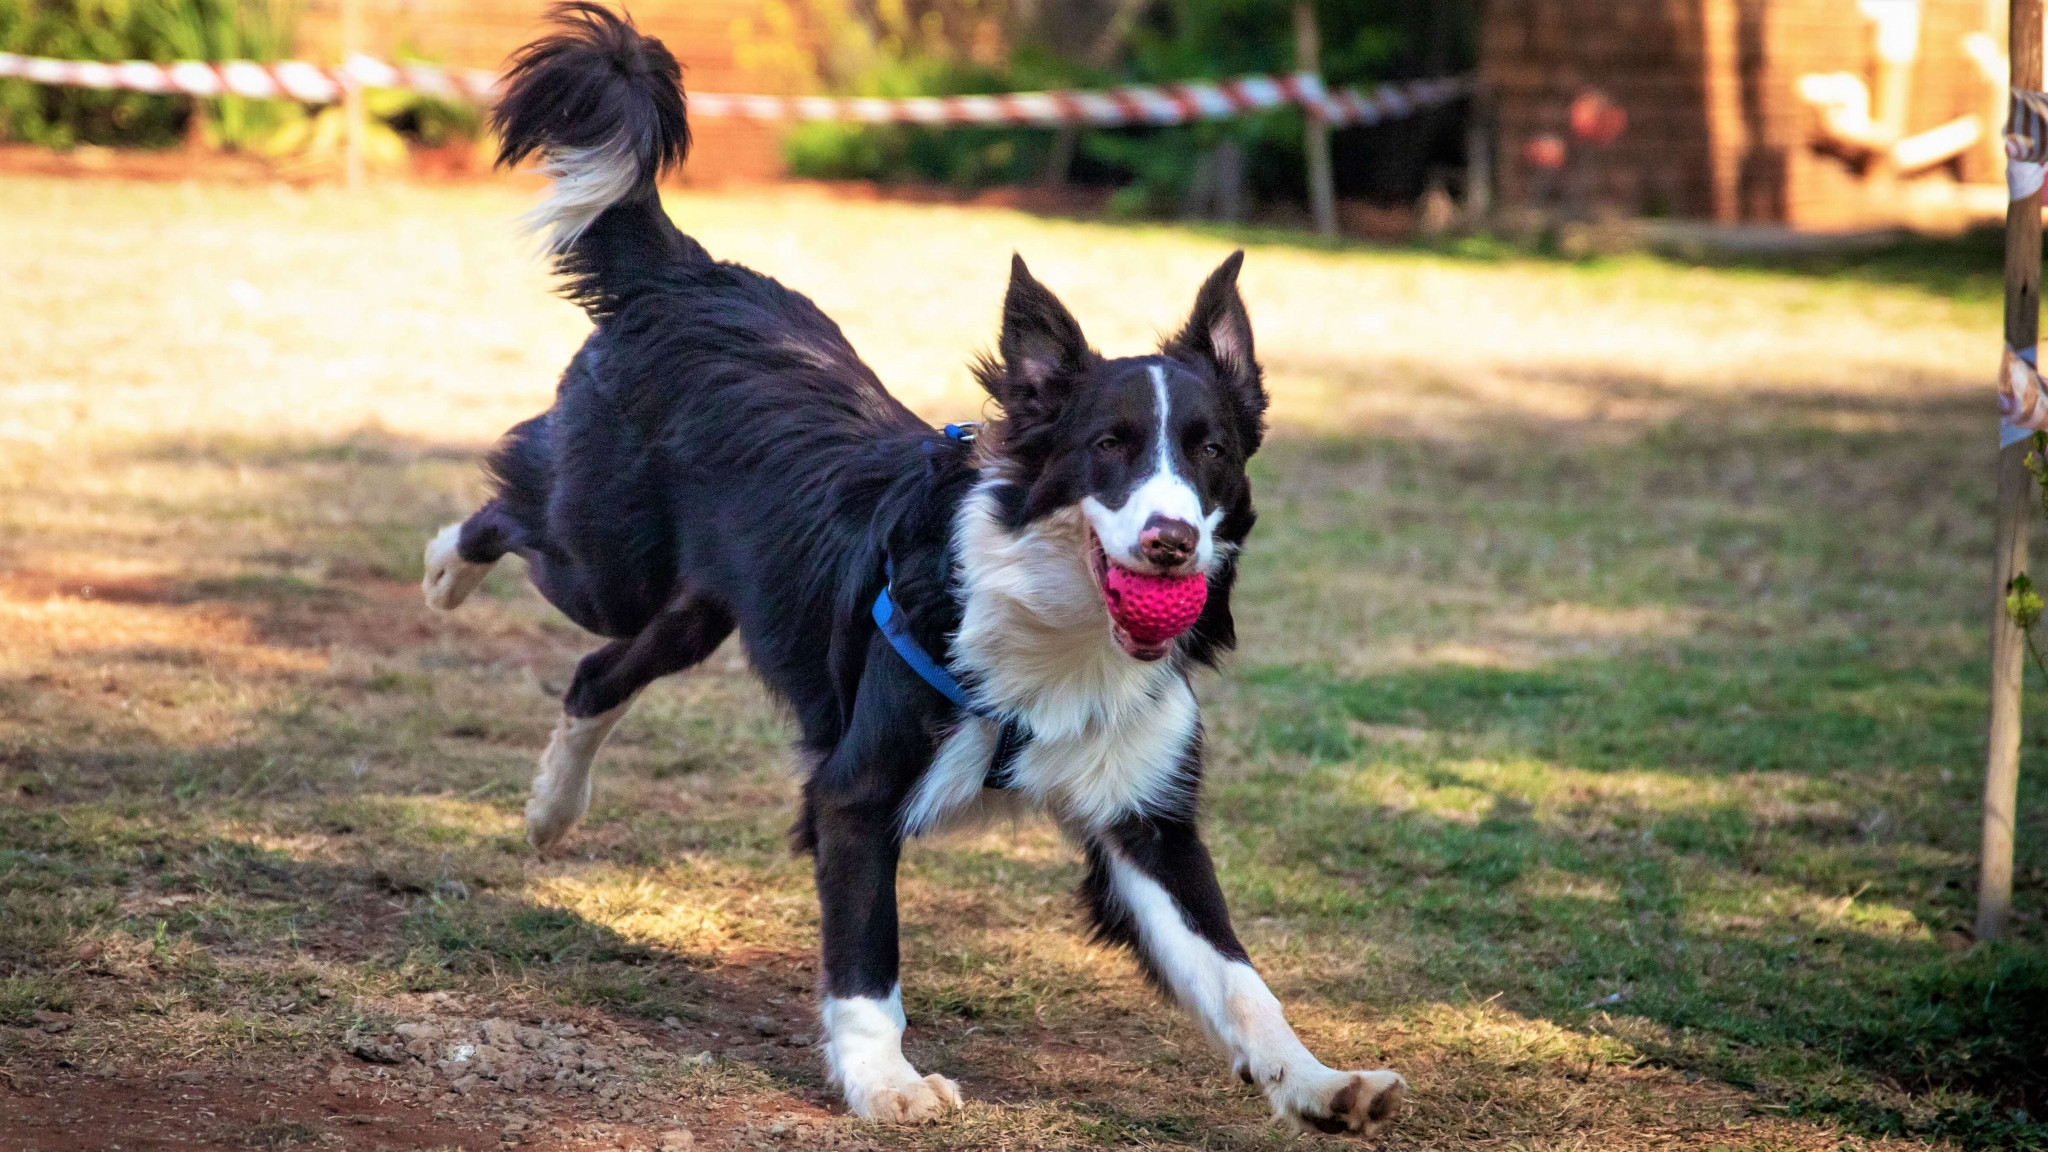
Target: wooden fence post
1322, 188
2015, 489
1478, 160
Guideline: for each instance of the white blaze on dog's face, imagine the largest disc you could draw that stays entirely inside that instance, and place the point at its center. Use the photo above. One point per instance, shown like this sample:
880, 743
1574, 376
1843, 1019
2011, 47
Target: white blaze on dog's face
1144, 506
1151, 450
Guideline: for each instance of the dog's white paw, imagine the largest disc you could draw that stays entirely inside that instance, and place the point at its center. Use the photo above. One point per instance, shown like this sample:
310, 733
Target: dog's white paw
864, 1052
1356, 1103
449, 578
561, 789
904, 1098
554, 808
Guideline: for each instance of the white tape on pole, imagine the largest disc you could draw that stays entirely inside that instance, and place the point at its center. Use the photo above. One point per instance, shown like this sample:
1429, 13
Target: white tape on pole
2022, 400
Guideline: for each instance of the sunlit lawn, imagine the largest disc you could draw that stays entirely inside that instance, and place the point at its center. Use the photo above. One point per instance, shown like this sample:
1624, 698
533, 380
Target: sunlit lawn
1603, 752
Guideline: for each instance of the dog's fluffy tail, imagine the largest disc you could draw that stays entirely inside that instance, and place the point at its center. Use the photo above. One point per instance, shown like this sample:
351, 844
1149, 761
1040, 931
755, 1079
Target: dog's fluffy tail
603, 106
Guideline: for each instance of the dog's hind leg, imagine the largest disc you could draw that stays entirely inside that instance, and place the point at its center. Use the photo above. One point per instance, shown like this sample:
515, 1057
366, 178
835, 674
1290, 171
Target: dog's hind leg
460, 555
606, 682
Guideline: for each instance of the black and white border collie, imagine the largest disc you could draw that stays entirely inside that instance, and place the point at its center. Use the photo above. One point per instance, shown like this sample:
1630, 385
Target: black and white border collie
719, 458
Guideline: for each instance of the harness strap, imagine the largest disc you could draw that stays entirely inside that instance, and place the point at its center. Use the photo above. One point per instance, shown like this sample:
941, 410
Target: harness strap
1010, 741
929, 670
1011, 736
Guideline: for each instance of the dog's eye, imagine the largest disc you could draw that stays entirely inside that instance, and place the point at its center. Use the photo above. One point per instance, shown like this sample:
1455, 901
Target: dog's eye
1108, 444
1212, 450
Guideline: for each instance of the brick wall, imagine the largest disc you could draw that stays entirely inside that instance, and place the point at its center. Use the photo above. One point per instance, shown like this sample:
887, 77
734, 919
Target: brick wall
481, 33
1716, 127
1646, 55
1803, 36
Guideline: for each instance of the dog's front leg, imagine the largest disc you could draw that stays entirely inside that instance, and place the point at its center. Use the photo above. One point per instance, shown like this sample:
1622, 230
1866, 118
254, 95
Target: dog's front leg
1153, 889
857, 845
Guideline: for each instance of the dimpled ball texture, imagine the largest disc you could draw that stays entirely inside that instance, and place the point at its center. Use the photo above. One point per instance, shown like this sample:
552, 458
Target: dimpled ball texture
1154, 609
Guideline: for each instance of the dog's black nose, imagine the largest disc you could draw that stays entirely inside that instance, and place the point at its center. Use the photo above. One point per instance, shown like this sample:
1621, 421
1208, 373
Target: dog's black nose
1167, 542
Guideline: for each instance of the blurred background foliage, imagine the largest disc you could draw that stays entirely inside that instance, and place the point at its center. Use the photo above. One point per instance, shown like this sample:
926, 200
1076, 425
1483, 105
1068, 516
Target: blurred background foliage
949, 47
167, 30
854, 47
160, 30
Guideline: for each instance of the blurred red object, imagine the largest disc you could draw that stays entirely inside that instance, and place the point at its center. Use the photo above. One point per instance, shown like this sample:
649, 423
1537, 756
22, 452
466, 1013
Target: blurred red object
1546, 152
1596, 119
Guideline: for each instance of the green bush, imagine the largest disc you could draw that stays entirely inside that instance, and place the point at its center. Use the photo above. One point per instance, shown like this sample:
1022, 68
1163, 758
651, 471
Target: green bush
1156, 165
964, 157
1363, 41
159, 30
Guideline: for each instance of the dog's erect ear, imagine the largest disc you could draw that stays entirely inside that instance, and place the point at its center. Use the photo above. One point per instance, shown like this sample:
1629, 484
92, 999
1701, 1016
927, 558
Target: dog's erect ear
1042, 347
1220, 332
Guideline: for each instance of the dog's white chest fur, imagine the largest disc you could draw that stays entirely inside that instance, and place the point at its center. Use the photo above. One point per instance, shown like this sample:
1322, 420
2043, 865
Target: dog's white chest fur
1107, 731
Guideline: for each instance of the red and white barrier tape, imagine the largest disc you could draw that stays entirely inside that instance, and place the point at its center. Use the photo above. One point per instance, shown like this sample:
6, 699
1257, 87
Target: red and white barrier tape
284, 79
1138, 104
1384, 102
1158, 104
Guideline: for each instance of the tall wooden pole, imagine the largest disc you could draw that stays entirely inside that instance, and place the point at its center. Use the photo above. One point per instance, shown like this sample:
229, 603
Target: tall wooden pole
1101, 54
2015, 490
1478, 160
352, 92
1322, 187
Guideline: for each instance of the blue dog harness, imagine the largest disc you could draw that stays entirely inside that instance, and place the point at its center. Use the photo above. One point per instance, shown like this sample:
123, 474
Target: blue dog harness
1010, 735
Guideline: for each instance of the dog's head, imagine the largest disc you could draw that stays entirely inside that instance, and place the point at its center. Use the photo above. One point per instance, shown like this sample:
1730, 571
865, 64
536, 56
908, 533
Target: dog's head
1150, 450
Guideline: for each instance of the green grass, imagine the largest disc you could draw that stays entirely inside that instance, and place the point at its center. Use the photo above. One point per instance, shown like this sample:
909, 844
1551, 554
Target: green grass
1608, 765
1755, 835
1968, 266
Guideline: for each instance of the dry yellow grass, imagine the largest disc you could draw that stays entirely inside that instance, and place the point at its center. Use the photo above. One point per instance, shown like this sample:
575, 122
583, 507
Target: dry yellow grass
261, 802
420, 313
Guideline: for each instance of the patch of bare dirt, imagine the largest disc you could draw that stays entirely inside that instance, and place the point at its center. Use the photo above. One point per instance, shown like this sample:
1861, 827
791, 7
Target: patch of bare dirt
71, 1109
428, 1071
